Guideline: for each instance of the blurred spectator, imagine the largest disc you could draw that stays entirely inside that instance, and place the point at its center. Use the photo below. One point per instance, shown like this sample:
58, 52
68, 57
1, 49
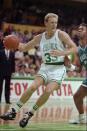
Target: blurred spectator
7, 67
1, 40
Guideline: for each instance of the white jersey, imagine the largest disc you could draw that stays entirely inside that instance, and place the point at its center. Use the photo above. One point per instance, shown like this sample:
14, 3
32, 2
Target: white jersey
47, 45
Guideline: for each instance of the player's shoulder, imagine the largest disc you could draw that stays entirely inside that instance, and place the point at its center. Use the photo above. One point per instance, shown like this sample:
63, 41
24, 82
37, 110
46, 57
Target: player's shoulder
62, 35
61, 32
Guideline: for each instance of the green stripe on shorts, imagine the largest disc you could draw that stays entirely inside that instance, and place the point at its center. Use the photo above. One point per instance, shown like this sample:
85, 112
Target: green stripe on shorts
42, 77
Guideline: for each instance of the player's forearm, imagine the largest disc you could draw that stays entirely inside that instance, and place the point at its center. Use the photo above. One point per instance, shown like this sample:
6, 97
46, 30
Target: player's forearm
25, 47
29, 46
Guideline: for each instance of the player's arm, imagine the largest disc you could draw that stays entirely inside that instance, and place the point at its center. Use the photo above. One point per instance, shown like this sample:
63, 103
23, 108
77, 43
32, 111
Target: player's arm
67, 41
77, 63
31, 44
76, 66
68, 64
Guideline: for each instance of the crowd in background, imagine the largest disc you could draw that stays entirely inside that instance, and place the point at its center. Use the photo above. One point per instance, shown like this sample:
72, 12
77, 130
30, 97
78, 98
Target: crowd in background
32, 13
28, 63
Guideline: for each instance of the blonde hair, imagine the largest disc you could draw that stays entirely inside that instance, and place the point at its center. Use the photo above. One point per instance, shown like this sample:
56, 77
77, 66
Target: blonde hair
49, 15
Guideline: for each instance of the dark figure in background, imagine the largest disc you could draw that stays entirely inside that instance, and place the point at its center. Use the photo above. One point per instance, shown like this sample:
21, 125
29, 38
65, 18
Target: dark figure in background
1, 41
7, 67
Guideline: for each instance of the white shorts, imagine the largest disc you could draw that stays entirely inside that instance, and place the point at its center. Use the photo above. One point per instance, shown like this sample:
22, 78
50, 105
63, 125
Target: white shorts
52, 73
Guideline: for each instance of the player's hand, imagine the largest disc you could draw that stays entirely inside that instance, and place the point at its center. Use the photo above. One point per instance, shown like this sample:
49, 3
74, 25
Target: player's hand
56, 53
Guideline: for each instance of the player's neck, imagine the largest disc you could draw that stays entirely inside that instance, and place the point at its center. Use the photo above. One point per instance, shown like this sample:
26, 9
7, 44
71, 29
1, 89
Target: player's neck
49, 34
83, 43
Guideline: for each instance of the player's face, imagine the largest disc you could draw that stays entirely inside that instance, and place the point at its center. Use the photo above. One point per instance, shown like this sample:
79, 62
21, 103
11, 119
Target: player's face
51, 24
82, 31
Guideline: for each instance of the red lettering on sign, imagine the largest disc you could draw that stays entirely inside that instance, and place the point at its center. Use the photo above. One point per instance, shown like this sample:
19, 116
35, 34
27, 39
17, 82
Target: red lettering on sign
25, 86
69, 90
17, 89
64, 87
59, 92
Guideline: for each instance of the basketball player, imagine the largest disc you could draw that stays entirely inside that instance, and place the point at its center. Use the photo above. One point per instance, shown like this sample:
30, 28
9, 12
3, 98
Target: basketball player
52, 72
81, 93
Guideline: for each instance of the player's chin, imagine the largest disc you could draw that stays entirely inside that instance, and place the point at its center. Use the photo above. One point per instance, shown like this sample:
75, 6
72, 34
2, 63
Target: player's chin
53, 29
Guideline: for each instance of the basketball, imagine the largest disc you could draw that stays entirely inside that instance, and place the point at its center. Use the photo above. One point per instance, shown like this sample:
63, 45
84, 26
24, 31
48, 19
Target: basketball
11, 42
